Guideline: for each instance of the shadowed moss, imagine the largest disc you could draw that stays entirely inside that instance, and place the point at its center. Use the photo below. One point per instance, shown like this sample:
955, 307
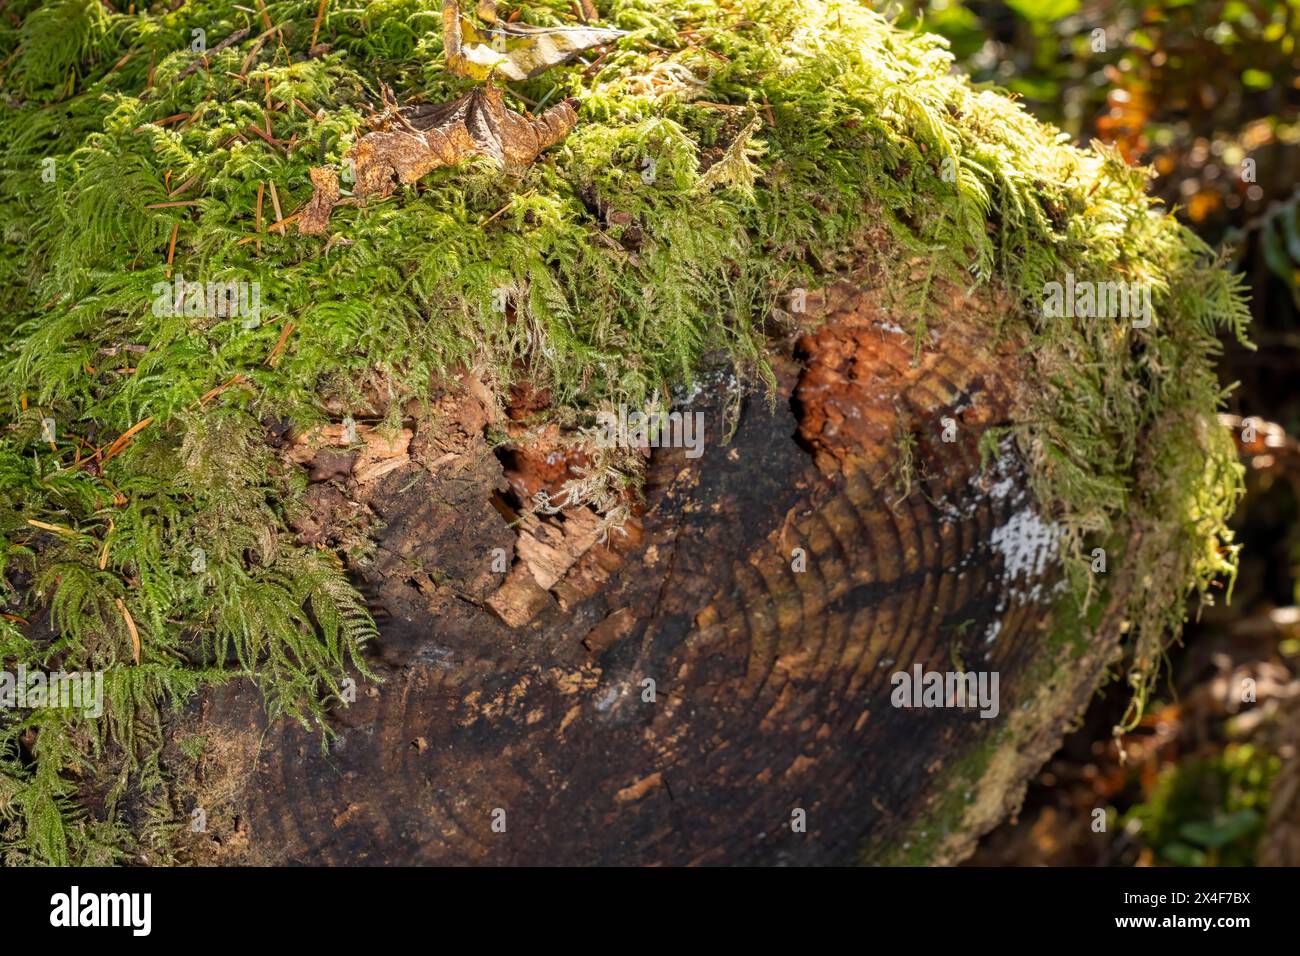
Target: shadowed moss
625, 258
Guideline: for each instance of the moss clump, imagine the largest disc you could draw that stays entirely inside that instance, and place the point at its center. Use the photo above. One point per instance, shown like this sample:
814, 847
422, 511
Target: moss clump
624, 255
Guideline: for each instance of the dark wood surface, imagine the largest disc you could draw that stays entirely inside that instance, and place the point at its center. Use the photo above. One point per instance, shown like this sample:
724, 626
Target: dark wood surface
772, 686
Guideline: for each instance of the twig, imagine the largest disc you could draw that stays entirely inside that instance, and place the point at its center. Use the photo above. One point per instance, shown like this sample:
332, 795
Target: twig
171, 248
202, 61
275, 204
315, 31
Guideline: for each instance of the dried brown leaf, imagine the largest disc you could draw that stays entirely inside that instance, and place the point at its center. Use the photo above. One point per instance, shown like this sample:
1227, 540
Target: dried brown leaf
430, 137
315, 218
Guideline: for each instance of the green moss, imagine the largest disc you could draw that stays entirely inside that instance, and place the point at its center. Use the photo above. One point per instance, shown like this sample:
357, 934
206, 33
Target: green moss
828, 122
957, 787
1078, 612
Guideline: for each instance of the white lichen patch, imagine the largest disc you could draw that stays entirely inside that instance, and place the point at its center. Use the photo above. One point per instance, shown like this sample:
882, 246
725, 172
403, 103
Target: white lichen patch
1027, 543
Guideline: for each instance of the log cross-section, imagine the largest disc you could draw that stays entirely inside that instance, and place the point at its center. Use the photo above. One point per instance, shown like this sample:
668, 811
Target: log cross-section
712, 685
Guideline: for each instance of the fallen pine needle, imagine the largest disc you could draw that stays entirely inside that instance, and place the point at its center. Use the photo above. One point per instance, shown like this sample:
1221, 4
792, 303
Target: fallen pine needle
103, 552
130, 626
120, 64
171, 249
275, 204
274, 357
184, 186
119, 499
265, 136
164, 121
315, 31
281, 223
124, 439
506, 206
214, 392
53, 528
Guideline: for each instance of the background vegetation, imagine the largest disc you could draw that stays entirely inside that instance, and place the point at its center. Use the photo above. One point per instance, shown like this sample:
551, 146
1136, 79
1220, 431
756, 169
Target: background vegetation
1207, 93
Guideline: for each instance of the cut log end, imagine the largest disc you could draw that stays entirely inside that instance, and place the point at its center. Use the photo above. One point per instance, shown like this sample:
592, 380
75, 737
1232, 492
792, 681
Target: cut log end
717, 683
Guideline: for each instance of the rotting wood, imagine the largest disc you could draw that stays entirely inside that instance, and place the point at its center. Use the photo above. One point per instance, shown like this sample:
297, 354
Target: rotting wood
771, 687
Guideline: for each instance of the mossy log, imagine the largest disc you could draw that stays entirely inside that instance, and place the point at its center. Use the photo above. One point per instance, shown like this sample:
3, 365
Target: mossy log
300, 455
520, 698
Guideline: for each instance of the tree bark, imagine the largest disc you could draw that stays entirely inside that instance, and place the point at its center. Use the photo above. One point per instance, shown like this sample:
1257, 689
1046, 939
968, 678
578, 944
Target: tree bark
525, 692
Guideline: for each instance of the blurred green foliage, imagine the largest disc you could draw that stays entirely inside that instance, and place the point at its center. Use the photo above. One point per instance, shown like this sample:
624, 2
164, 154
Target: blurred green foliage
1194, 87
1208, 811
